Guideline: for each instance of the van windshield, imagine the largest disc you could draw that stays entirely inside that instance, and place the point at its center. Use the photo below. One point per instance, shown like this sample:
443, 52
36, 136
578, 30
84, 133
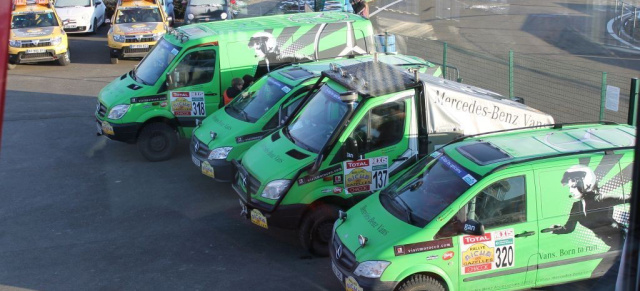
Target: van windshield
156, 62
312, 128
421, 194
257, 103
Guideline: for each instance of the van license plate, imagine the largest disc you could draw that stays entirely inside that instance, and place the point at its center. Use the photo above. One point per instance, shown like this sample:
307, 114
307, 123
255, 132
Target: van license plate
139, 46
207, 169
337, 272
259, 219
36, 51
195, 160
71, 26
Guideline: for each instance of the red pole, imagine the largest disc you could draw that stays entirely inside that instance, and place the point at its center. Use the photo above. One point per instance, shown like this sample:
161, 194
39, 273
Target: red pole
5, 24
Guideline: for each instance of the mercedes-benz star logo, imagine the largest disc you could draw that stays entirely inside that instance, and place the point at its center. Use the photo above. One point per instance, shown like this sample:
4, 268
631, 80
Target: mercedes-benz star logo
339, 252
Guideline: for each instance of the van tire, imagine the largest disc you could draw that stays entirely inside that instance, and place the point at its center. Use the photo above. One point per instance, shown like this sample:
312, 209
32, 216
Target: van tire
114, 61
11, 66
316, 227
157, 141
421, 282
65, 60
95, 26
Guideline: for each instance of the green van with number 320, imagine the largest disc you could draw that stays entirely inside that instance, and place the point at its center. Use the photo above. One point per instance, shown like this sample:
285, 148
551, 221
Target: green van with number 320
182, 79
511, 210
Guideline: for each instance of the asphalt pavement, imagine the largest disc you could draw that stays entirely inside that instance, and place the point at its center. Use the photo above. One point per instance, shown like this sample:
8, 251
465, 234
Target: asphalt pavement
81, 212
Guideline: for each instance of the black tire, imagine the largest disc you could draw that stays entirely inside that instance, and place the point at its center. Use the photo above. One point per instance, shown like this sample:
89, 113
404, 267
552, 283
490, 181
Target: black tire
157, 141
11, 66
65, 60
95, 26
316, 227
421, 282
114, 60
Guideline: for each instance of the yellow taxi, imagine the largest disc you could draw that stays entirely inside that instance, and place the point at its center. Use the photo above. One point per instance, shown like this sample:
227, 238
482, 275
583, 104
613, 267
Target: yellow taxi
36, 34
136, 26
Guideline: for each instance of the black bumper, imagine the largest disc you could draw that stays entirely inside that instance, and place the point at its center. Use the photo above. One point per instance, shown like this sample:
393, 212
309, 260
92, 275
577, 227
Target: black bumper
128, 52
23, 58
127, 132
223, 170
281, 216
363, 282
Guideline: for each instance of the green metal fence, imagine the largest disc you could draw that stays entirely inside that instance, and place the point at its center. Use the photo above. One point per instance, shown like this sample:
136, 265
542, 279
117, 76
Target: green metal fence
567, 90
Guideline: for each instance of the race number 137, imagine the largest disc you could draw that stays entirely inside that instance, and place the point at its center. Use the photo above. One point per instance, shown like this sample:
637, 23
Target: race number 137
380, 178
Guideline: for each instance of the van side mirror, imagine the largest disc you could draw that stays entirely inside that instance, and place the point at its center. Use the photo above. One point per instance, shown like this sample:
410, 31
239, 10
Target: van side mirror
351, 150
518, 99
473, 227
98, 3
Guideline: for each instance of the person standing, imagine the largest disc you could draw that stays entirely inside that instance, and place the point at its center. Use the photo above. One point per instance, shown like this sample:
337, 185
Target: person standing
233, 91
360, 7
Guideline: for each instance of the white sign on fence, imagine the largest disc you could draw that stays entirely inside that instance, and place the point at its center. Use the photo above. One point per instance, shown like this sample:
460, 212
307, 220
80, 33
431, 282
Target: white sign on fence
613, 98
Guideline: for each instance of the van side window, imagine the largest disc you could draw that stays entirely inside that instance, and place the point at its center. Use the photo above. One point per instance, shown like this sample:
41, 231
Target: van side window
195, 68
383, 126
501, 203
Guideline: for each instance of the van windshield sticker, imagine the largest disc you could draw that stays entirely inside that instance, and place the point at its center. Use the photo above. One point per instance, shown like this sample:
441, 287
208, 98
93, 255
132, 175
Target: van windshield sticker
458, 170
331, 93
286, 89
436, 154
174, 51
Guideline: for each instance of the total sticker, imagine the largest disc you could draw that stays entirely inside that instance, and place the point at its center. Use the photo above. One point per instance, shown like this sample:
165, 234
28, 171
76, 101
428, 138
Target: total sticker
365, 175
351, 284
188, 104
491, 251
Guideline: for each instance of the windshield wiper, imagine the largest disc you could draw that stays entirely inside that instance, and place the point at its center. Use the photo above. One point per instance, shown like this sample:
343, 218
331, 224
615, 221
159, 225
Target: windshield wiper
405, 207
245, 117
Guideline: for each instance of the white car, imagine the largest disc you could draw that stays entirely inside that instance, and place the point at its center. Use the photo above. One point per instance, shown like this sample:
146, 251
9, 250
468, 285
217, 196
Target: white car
80, 16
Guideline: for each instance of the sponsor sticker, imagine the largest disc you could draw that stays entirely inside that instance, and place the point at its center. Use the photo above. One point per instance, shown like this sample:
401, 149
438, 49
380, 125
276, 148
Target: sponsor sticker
337, 190
433, 257
491, 251
448, 255
424, 246
458, 170
365, 175
337, 179
188, 104
207, 169
320, 175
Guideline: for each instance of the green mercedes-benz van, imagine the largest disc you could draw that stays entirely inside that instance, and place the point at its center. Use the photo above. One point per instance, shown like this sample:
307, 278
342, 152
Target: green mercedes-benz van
386, 118
183, 78
226, 134
510, 210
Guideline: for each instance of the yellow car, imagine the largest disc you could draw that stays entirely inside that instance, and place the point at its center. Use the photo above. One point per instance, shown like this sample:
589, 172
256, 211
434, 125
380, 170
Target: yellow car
136, 26
36, 34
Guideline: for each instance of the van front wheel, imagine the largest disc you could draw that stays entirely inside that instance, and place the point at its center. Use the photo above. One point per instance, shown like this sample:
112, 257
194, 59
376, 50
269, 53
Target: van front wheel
421, 282
157, 141
315, 230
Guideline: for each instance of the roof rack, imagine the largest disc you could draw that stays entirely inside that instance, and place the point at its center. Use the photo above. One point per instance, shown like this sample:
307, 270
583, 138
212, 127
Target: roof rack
552, 125
371, 79
17, 3
607, 151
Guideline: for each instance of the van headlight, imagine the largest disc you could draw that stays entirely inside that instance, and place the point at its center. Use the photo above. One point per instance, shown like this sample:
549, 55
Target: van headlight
220, 153
118, 38
275, 189
371, 269
56, 40
191, 16
223, 15
15, 43
118, 111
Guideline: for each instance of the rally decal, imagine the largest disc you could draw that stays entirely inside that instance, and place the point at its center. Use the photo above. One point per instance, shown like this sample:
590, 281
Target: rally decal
250, 137
188, 104
28, 32
148, 99
424, 246
491, 251
366, 175
321, 174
